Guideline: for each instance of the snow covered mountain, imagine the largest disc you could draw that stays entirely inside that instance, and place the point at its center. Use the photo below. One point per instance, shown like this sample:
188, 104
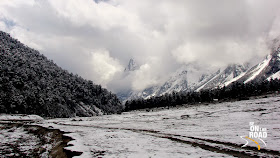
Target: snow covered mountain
132, 66
186, 78
268, 69
194, 78
225, 77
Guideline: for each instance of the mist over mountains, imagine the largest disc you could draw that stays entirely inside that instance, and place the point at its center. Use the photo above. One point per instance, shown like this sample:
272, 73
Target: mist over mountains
145, 48
194, 78
96, 39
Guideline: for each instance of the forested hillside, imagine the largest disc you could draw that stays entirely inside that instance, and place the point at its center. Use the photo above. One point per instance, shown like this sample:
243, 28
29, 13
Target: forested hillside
32, 84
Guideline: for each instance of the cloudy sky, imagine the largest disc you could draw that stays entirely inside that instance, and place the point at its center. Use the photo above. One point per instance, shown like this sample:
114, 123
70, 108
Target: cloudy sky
96, 38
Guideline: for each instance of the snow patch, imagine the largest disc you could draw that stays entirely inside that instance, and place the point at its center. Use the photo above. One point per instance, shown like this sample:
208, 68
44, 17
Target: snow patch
234, 79
274, 76
21, 117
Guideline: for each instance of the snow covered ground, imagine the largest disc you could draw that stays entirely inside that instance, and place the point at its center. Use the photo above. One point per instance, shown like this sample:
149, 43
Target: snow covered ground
19, 138
212, 130
20, 117
15, 142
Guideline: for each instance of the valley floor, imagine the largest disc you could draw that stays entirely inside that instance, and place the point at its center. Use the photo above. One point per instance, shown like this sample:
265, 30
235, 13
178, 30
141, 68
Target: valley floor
212, 130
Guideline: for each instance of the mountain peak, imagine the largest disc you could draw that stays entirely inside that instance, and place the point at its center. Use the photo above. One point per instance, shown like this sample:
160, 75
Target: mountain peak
132, 66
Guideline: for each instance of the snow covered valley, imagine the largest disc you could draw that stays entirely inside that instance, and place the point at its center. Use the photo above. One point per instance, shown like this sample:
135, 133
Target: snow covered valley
213, 130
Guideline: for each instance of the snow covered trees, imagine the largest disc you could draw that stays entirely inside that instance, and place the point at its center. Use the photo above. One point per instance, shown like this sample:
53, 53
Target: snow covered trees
32, 84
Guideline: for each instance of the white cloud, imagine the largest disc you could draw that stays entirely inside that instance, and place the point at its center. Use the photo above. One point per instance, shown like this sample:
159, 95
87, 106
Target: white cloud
144, 77
220, 53
160, 35
16, 3
104, 67
3, 26
24, 36
100, 15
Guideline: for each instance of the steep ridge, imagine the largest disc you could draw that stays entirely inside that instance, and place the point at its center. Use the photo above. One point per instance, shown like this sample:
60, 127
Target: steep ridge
225, 77
268, 69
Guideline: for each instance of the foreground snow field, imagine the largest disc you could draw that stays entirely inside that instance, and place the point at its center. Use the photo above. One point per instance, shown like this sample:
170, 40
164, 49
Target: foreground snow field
212, 130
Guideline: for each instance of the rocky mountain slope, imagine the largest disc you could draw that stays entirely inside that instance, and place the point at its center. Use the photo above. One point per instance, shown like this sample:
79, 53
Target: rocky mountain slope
224, 76
32, 84
268, 69
192, 78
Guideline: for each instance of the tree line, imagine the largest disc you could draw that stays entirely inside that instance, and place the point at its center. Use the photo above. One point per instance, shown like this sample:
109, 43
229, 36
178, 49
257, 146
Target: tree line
235, 91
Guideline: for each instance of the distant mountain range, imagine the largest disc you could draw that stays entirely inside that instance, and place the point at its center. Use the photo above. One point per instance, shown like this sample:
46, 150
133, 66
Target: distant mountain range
192, 78
32, 84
